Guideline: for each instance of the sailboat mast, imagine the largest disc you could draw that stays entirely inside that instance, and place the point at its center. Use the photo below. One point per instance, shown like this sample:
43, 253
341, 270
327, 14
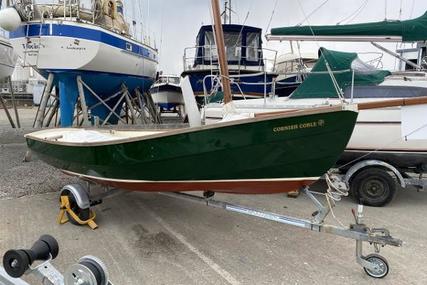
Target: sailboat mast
219, 37
225, 11
229, 12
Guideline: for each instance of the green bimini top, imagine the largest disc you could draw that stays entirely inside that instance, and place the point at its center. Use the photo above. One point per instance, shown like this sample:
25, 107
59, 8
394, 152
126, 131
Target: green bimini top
410, 30
319, 84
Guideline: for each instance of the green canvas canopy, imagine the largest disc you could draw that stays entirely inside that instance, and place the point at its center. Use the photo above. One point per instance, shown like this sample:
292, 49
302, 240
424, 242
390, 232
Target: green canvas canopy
319, 84
407, 31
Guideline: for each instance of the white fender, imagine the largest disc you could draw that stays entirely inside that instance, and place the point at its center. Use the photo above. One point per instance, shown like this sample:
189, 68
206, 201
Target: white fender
9, 19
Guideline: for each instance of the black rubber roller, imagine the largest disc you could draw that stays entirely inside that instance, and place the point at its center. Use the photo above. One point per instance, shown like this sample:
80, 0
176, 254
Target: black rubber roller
16, 262
44, 247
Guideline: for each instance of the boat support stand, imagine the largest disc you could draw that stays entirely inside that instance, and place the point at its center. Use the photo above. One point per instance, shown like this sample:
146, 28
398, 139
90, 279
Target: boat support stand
374, 264
139, 107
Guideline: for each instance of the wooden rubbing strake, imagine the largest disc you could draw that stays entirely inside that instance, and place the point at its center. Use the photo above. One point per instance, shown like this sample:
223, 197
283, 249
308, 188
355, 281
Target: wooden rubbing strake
361, 106
393, 103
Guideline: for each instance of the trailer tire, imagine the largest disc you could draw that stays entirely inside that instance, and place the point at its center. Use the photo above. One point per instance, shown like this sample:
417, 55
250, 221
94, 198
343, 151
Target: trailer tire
373, 187
83, 214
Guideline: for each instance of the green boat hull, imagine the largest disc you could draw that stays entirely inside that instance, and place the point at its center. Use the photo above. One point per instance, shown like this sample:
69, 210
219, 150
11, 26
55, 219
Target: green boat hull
258, 156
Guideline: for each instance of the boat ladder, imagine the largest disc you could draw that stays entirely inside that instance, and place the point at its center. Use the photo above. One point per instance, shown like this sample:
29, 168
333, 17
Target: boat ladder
34, 49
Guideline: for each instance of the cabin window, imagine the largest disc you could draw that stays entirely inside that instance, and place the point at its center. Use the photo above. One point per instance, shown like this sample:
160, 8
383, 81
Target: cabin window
253, 48
210, 48
233, 43
129, 46
233, 46
361, 67
163, 80
174, 80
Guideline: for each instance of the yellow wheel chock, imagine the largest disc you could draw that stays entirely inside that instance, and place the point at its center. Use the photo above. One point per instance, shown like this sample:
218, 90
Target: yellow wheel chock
66, 208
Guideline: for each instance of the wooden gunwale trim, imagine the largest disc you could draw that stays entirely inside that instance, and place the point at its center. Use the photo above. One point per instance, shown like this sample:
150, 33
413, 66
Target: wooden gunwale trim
362, 106
393, 103
165, 133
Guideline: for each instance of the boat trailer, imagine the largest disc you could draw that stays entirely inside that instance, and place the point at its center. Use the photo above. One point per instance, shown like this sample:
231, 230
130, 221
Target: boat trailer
89, 270
374, 264
78, 211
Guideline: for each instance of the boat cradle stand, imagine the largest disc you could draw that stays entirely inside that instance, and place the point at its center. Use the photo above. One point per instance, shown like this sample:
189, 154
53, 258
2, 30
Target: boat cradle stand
374, 264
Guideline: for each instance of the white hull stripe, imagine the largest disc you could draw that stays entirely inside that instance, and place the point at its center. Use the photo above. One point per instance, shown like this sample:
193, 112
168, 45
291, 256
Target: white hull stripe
191, 181
401, 151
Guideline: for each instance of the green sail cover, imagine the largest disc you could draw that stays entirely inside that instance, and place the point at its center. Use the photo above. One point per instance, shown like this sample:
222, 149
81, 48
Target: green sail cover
410, 30
342, 64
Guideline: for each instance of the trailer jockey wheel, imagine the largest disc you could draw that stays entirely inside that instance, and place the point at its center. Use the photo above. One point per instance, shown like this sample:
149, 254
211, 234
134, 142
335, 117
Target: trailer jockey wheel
83, 214
89, 271
373, 187
381, 264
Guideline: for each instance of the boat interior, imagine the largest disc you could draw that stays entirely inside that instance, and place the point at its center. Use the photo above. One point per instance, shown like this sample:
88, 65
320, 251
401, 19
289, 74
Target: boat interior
84, 136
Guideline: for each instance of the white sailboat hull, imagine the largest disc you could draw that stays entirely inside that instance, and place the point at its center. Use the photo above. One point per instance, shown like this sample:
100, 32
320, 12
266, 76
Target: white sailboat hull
376, 129
67, 47
7, 59
167, 97
382, 129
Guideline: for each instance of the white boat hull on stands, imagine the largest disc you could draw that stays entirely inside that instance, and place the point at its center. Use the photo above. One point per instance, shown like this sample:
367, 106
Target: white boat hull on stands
79, 46
105, 61
7, 59
168, 98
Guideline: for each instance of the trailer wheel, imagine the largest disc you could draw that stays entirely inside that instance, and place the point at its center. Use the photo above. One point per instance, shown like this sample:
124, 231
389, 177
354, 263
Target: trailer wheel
380, 262
83, 214
373, 187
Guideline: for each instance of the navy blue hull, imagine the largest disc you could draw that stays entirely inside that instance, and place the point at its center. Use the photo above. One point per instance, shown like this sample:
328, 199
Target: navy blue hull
286, 86
167, 106
103, 84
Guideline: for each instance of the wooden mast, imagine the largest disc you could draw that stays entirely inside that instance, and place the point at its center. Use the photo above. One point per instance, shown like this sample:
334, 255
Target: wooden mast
219, 38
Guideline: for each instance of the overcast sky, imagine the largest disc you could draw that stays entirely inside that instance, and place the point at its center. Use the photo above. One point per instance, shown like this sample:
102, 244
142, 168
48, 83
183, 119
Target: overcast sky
174, 23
